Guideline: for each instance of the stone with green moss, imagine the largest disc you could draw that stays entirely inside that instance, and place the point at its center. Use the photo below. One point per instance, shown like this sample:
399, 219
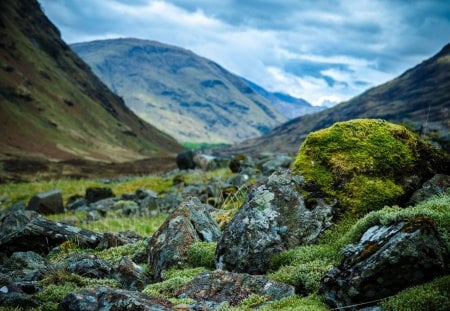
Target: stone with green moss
365, 163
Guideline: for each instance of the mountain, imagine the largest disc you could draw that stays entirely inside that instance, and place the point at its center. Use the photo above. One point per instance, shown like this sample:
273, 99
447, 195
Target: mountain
291, 107
54, 107
418, 99
188, 96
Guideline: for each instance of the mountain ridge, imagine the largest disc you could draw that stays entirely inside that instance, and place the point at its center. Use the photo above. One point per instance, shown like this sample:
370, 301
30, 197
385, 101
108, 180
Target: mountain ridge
418, 98
191, 97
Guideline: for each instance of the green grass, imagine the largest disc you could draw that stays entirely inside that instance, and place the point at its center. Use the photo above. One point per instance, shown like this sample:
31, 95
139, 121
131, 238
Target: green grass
195, 145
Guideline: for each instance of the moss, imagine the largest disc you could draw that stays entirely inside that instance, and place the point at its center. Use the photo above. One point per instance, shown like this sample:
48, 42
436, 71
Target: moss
114, 254
55, 293
252, 301
305, 277
361, 162
296, 303
173, 280
432, 296
201, 254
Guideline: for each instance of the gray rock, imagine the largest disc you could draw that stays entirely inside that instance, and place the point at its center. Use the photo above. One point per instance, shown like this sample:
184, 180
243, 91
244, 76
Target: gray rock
239, 180
273, 218
25, 260
275, 163
76, 203
220, 286
105, 298
18, 295
437, 185
168, 246
45, 203
145, 193
35, 233
95, 194
240, 162
14, 219
130, 274
386, 260
89, 265
117, 239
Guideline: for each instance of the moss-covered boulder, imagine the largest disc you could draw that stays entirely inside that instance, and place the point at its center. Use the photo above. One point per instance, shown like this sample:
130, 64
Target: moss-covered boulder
366, 163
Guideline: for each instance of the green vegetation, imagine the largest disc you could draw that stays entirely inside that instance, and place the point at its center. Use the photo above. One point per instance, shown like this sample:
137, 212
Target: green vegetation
173, 280
361, 162
432, 296
114, 254
201, 254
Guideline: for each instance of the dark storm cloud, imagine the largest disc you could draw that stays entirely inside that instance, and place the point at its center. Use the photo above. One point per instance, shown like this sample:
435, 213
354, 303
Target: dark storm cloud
319, 50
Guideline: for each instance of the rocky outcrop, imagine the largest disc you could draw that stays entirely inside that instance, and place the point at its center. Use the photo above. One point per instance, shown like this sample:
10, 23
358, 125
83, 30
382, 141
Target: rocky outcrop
386, 260
105, 298
49, 202
40, 235
273, 218
190, 223
130, 274
213, 288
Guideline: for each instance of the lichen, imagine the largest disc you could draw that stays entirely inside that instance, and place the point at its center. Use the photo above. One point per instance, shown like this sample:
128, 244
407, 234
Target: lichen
360, 162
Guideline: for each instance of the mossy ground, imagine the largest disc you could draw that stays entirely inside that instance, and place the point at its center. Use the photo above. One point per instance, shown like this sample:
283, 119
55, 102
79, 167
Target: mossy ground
361, 162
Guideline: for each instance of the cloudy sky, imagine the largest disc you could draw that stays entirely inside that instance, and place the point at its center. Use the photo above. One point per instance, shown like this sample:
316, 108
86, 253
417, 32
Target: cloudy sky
317, 50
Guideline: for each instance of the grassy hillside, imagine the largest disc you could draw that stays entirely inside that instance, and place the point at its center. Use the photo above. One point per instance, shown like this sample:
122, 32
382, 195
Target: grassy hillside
181, 93
54, 107
419, 99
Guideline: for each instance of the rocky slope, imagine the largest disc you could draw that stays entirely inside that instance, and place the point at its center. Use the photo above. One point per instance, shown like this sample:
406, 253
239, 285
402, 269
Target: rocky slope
291, 107
54, 107
419, 99
181, 93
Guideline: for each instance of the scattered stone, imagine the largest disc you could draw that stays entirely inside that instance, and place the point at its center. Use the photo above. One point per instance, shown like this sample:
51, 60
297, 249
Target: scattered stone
275, 163
273, 218
185, 160
95, 194
131, 275
239, 180
220, 286
142, 194
118, 239
240, 162
35, 233
75, 202
45, 203
14, 219
18, 295
437, 185
106, 298
89, 265
386, 260
25, 260
190, 223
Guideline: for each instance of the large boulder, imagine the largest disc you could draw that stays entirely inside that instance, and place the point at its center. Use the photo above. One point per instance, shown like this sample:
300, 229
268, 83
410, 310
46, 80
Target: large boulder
367, 164
386, 260
40, 235
273, 218
190, 223
105, 298
94, 194
49, 202
185, 160
89, 265
220, 286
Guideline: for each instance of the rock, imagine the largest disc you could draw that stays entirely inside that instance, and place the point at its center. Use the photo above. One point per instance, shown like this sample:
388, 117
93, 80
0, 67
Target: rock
25, 260
437, 185
45, 203
185, 160
89, 265
239, 180
75, 202
275, 163
169, 202
130, 274
117, 239
14, 219
142, 194
95, 194
240, 162
105, 298
386, 260
18, 295
367, 164
92, 216
273, 218
208, 162
220, 286
40, 235
169, 244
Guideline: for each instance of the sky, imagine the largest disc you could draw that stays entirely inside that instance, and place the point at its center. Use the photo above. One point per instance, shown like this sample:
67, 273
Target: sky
322, 51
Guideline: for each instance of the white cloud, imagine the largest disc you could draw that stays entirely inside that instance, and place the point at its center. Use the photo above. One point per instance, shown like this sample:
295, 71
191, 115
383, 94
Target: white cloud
356, 44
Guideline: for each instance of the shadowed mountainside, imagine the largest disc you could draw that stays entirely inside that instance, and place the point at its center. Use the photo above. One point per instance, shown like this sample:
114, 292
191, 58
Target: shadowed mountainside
53, 106
188, 96
419, 99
